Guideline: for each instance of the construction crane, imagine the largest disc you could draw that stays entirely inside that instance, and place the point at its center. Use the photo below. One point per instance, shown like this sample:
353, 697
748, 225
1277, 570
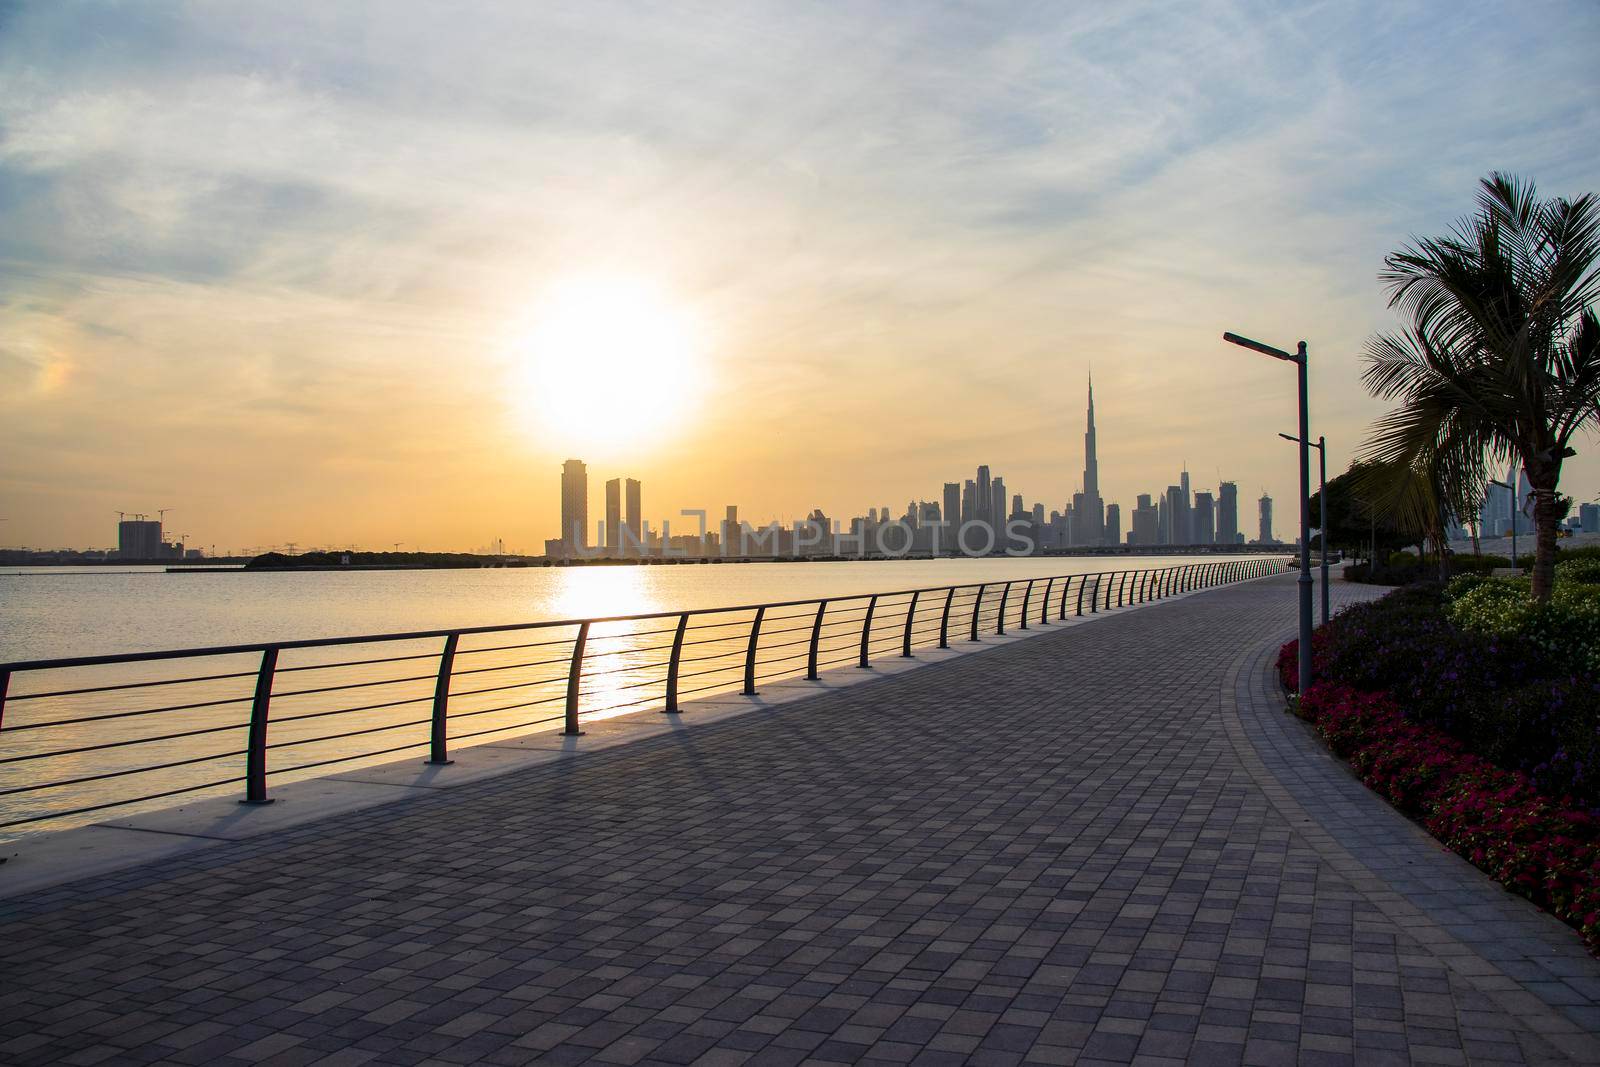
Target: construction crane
161, 514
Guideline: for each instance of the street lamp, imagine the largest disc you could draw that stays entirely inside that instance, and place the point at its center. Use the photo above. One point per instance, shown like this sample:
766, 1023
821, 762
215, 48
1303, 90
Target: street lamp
1305, 580
1322, 462
1503, 485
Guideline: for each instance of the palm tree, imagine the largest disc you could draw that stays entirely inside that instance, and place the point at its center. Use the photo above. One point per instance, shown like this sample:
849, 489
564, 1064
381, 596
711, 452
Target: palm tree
1502, 358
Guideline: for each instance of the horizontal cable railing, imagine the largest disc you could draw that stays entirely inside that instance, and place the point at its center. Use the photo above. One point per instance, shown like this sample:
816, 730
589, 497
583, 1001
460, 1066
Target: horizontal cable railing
91, 734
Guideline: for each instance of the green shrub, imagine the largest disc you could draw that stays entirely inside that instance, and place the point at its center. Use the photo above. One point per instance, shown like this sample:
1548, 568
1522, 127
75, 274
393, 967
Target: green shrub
1566, 628
1580, 570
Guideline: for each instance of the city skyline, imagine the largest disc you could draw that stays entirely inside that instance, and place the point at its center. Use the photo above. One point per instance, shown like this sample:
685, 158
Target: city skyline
301, 301
938, 526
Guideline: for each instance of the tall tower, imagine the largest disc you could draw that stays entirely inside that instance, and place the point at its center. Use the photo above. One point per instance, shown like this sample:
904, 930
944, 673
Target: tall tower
613, 514
1089, 520
574, 505
952, 511
634, 520
1228, 513
1091, 463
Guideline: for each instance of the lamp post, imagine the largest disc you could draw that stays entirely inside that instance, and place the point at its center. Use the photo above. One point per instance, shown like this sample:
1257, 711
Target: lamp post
1322, 489
1503, 485
1305, 580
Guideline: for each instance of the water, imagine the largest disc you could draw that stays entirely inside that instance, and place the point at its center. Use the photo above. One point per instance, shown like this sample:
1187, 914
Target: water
336, 709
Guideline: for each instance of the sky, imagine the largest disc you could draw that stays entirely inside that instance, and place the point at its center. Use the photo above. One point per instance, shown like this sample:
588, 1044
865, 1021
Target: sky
341, 273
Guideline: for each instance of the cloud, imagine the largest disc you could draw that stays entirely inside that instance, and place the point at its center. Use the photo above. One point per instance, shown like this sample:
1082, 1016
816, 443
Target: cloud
313, 227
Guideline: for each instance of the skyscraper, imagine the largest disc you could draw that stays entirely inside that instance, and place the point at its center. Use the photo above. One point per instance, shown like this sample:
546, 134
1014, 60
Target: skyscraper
1227, 513
952, 513
984, 496
574, 506
1266, 519
1113, 530
1203, 519
613, 514
635, 512
1184, 534
1144, 524
1177, 516
997, 509
1089, 519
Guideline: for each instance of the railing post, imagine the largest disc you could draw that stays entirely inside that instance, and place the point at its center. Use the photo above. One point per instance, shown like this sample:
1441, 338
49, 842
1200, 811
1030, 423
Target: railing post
750, 653
1066, 587
574, 675
672, 665
1094, 598
1083, 583
5, 684
1027, 598
977, 605
1122, 580
255, 762
1044, 603
439, 735
1000, 618
944, 620
866, 629
816, 638
911, 617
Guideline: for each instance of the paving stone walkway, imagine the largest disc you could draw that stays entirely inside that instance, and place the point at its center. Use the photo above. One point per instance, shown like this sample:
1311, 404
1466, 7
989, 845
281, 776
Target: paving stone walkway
1104, 845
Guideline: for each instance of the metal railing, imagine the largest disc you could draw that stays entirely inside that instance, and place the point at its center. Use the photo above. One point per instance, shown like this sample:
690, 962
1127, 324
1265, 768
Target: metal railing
88, 734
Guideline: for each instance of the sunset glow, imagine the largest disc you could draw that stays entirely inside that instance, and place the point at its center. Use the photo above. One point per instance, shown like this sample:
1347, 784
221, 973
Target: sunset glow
607, 363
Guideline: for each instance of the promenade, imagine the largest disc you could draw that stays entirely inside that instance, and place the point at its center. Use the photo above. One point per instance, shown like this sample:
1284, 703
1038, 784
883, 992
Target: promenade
1105, 844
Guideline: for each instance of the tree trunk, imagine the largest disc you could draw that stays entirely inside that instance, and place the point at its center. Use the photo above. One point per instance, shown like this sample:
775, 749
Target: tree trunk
1545, 520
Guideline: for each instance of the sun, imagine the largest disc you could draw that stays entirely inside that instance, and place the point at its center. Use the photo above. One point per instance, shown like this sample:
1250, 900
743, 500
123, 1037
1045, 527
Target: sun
606, 363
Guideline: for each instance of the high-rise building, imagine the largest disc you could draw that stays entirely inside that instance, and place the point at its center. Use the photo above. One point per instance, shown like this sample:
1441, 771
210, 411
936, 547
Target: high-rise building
1227, 513
1089, 518
952, 512
997, 509
984, 495
1144, 525
138, 539
969, 502
1203, 519
729, 534
1185, 529
574, 506
613, 515
1177, 516
1589, 518
635, 512
1113, 529
1266, 519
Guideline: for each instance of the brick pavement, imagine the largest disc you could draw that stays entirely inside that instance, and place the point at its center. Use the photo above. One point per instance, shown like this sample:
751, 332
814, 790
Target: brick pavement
1102, 845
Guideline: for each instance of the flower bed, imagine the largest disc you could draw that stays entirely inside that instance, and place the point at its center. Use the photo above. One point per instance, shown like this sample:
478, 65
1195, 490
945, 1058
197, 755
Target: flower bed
1545, 849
